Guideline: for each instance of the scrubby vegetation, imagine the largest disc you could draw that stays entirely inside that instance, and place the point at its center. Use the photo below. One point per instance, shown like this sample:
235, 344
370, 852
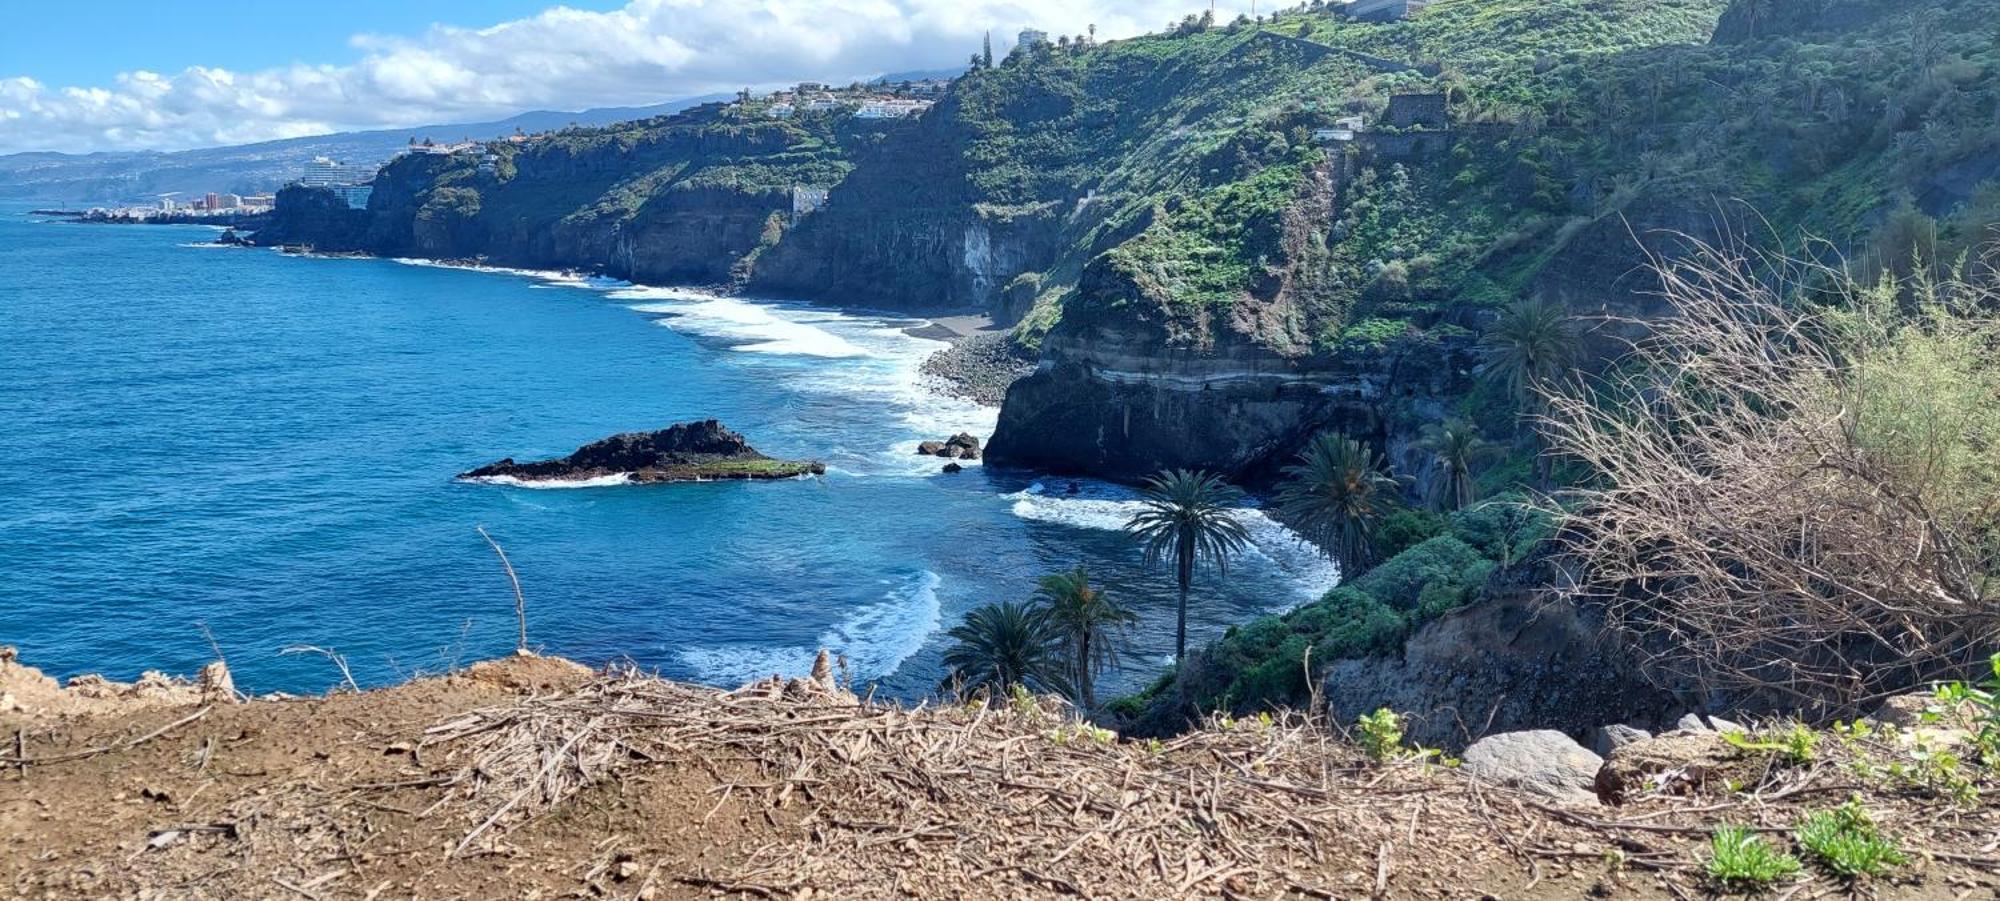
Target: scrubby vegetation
1799, 499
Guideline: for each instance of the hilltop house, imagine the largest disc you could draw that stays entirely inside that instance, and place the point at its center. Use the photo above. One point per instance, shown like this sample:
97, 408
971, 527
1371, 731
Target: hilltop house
1383, 10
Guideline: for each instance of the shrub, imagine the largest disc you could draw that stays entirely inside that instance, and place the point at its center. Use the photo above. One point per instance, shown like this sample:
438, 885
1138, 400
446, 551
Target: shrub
1791, 500
1845, 841
1742, 859
1400, 581
1404, 529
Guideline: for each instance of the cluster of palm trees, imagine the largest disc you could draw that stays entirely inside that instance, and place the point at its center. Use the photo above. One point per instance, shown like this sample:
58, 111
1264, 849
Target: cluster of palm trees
1337, 495
1058, 642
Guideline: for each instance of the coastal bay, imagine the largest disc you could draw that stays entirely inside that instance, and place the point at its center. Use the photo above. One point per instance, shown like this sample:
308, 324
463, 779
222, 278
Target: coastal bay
286, 430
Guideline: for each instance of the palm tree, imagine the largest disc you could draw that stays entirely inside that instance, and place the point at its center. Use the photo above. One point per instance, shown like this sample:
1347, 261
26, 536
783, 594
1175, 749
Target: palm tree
1090, 624
1337, 493
1003, 645
1456, 449
1187, 514
1530, 347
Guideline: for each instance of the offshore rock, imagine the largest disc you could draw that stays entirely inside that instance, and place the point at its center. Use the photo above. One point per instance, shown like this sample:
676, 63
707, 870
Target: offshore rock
688, 452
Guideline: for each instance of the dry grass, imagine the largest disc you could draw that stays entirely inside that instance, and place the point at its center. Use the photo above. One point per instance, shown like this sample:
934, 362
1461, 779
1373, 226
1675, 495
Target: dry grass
624, 785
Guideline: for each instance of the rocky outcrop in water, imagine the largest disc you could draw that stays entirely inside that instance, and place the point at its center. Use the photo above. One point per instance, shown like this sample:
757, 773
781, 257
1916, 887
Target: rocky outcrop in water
689, 452
962, 446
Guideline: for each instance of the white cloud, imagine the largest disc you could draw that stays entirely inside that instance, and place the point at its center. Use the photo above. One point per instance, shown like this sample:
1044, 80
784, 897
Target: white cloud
561, 58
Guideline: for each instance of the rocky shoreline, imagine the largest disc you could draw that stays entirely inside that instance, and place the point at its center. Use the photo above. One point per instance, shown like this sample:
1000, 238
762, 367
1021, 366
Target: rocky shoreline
979, 368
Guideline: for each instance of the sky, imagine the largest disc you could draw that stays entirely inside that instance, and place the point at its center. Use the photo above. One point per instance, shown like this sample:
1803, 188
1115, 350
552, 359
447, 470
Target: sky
130, 75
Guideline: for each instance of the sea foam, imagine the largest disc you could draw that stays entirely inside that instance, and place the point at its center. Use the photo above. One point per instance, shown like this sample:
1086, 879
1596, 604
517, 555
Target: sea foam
1105, 507
875, 639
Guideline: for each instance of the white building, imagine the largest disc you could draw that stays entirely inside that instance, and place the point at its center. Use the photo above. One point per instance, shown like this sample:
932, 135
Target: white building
780, 110
323, 172
1034, 37
891, 109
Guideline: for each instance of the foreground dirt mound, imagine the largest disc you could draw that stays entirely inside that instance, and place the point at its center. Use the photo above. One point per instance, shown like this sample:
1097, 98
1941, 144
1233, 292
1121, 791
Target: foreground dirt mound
533, 777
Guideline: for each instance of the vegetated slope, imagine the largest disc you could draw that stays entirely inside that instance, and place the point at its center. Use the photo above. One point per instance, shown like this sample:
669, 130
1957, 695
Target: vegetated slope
1581, 132
532, 776
1873, 126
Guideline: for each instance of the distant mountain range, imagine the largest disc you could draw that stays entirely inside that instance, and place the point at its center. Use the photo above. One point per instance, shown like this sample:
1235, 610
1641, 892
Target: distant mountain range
132, 177
141, 176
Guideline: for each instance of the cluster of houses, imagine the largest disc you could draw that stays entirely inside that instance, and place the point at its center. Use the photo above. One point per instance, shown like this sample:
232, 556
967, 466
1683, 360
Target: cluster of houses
875, 101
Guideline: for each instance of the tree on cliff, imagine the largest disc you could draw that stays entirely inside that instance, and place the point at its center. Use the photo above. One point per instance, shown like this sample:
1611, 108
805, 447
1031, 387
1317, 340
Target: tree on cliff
1190, 516
1456, 450
1091, 625
1337, 493
1531, 347
1000, 646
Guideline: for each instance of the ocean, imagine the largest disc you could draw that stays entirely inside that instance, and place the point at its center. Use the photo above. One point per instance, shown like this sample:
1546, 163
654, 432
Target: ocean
202, 442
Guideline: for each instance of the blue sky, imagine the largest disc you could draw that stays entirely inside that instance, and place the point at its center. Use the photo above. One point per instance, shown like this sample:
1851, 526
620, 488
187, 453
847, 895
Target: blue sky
87, 75
88, 42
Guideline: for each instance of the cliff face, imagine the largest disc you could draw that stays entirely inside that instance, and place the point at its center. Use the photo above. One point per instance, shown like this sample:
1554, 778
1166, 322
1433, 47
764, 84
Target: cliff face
674, 200
1113, 403
316, 217
905, 230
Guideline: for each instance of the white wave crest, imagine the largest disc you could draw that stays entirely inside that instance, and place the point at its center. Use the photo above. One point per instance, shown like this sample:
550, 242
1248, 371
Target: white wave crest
758, 327
555, 484
1105, 507
875, 639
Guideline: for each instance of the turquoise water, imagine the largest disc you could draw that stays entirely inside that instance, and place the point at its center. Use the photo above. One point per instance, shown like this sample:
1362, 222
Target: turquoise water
263, 446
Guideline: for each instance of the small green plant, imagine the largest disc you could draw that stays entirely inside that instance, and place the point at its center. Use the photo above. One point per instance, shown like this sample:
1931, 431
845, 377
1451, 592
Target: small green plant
1985, 703
1742, 859
1845, 841
1380, 734
1022, 702
1938, 771
1796, 745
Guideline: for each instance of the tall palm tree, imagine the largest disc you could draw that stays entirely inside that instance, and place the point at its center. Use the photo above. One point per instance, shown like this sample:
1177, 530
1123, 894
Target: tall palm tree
1091, 625
1457, 450
1188, 515
1003, 645
1337, 493
1531, 346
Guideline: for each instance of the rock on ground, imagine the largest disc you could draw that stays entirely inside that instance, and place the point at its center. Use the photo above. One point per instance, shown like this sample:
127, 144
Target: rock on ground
1611, 738
1679, 762
1542, 762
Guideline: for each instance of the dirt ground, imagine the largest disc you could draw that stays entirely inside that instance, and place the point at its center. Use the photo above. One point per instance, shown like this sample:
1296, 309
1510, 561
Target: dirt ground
535, 778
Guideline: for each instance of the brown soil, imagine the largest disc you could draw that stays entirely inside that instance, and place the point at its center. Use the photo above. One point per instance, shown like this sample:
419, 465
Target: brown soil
532, 777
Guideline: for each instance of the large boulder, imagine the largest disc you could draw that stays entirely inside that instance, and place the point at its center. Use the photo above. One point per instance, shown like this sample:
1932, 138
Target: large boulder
1542, 762
963, 446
